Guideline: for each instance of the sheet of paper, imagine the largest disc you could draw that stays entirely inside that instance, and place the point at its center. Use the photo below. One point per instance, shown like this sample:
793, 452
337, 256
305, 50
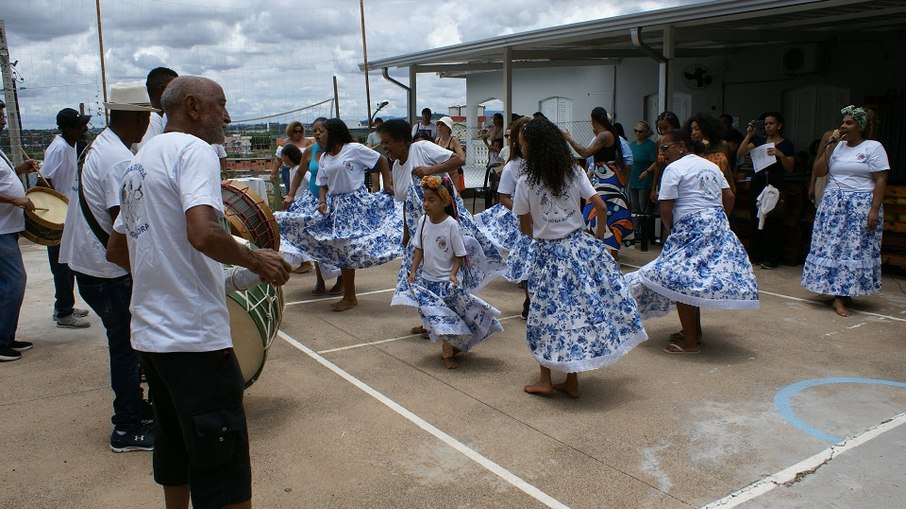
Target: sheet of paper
760, 157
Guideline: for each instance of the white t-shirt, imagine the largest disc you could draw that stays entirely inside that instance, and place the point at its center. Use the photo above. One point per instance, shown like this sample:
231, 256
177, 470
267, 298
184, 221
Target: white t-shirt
851, 167
432, 128
553, 217
156, 125
12, 219
178, 293
60, 165
443, 243
345, 172
695, 183
510, 175
102, 174
421, 153
219, 150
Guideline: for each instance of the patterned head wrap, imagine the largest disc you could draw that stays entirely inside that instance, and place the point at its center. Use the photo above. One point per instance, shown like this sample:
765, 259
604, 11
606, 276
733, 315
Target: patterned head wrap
858, 114
436, 184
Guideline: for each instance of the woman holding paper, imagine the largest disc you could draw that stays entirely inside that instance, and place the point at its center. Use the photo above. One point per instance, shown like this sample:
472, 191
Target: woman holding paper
764, 245
845, 255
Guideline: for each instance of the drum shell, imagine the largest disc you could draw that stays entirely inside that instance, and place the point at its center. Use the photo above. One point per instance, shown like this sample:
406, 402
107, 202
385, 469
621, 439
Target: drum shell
45, 227
249, 216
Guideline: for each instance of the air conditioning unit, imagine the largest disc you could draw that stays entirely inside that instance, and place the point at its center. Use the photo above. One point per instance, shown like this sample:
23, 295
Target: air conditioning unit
801, 59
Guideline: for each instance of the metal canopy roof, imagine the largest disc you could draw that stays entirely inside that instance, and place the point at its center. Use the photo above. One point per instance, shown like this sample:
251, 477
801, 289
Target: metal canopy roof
708, 28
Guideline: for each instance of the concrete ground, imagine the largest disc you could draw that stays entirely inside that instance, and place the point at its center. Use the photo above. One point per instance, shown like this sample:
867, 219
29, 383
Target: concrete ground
352, 411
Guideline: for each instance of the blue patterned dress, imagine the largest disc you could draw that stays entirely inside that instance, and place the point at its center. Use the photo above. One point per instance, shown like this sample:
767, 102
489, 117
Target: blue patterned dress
502, 228
845, 257
702, 264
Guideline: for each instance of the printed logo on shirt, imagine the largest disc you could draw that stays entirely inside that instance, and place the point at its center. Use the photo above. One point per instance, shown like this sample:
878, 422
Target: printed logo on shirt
709, 182
551, 211
349, 165
442, 244
132, 201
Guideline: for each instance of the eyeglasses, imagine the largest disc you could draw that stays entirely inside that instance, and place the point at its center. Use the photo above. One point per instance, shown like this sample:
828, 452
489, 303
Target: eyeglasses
663, 148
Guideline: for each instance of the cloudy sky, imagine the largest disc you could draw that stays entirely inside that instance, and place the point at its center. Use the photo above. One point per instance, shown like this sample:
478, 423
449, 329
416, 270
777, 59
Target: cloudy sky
270, 57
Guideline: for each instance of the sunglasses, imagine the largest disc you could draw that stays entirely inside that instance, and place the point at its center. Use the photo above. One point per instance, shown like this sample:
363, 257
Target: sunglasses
663, 148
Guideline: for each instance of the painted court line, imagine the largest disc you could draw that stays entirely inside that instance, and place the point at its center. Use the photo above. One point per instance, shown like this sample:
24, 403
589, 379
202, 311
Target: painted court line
334, 297
489, 465
372, 343
799, 299
808, 466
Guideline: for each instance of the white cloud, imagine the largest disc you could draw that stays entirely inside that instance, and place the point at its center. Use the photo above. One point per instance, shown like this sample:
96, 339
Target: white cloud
270, 57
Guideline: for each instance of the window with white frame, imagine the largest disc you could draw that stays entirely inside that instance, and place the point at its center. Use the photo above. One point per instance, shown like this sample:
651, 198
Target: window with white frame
558, 110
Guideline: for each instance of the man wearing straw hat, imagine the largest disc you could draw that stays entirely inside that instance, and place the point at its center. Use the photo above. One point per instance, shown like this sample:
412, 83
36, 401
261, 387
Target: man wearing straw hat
12, 270
60, 166
105, 286
169, 232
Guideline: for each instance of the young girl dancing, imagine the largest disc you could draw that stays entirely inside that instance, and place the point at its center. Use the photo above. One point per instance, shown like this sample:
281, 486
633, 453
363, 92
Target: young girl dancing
449, 312
582, 316
356, 229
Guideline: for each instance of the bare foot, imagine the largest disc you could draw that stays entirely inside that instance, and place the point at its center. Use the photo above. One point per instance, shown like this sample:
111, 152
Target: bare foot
544, 389
418, 330
840, 307
343, 304
447, 353
570, 389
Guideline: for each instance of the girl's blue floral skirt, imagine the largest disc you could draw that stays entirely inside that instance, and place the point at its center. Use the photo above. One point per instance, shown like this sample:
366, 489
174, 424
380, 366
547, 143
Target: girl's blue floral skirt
845, 257
501, 226
306, 207
484, 261
582, 316
360, 230
452, 314
702, 264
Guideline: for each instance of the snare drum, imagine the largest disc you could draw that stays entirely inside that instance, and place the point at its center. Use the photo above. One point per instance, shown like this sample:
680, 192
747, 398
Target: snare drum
249, 216
255, 317
45, 226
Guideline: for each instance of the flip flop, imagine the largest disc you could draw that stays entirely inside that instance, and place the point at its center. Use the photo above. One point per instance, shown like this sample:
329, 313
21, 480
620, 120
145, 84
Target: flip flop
677, 337
675, 349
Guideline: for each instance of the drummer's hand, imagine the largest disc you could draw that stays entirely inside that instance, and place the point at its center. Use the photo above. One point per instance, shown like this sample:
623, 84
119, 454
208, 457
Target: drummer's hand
271, 268
28, 166
322, 208
24, 203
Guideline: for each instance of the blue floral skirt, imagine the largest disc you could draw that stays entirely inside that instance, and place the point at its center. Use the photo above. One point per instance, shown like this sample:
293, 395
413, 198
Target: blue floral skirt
702, 264
502, 227
484, 260
582, 316
450, 313
845, 257
306, 208
360, 230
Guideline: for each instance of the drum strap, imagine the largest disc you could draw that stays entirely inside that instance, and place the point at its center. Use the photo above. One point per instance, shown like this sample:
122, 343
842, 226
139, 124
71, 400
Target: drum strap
99, 232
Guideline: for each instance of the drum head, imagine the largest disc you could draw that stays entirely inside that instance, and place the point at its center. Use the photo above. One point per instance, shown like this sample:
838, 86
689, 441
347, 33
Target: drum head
55, 203
247, 342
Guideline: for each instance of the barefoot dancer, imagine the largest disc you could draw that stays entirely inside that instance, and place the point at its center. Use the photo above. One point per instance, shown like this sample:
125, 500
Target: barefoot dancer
845, 256
582, 316
449, 312
357, 229
702, 264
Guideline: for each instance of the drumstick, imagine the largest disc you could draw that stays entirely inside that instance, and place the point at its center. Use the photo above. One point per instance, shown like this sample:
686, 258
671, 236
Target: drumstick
27, 157
40, 208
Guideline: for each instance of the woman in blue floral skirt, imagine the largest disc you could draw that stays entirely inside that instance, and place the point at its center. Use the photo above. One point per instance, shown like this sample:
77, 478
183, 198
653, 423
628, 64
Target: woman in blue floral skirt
356, 229
702, 263
582, 316
449, 312
845, 255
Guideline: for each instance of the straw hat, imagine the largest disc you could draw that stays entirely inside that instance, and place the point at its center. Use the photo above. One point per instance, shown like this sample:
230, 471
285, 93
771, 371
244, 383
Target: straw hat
126, 97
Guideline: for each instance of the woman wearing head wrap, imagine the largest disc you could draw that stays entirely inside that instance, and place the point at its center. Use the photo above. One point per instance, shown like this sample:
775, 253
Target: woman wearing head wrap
845, 255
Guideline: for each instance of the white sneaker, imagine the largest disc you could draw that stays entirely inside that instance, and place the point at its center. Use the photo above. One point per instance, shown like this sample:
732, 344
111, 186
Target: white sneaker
72, 322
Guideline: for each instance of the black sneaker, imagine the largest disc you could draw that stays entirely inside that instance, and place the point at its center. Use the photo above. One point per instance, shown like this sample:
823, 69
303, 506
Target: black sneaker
7, 354
20, 346
139, 439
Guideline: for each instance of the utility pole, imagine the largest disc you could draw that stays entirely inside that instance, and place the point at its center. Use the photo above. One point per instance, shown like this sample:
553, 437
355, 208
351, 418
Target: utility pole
336, 96
103, 66
12, 103
365, 53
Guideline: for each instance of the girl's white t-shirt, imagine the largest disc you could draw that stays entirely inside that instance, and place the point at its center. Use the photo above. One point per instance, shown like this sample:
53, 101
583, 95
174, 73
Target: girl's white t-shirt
345, 172
850, 168
553, 217
441, 244
695, 183
509, 176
